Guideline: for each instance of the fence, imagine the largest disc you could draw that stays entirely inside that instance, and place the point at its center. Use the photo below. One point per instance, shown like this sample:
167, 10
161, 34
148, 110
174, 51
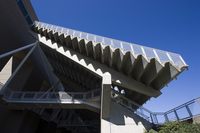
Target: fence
183, 112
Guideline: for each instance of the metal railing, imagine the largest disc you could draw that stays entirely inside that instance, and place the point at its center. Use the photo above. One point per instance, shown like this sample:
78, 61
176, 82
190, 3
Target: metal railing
134, 107
183, 112
49, 96
147, 52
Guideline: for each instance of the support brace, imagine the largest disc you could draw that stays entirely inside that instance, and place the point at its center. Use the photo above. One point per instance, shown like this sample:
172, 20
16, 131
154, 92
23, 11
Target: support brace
105, 102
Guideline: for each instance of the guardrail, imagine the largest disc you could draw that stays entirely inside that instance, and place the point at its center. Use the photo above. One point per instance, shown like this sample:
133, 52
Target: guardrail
147, 52
134, 107
183, 112
48, 96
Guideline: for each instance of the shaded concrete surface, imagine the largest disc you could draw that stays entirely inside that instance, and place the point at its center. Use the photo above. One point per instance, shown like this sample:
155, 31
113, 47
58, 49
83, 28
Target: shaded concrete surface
123, 120
196, 119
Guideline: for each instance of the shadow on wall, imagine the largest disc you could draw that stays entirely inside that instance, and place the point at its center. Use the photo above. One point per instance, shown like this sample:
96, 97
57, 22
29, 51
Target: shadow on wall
121, 116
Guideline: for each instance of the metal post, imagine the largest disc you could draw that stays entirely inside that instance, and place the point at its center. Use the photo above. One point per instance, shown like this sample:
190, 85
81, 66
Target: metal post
152, 121
18, 50
166, 118
188, 110
176, 115
155, 117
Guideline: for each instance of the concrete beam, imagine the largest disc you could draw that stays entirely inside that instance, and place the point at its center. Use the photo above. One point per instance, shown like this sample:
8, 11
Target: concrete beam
3, 89
44, 64
17, 50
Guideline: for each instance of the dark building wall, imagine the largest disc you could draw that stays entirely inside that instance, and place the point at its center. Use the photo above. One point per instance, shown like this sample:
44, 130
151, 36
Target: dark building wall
17, 121
15, 31
23, 121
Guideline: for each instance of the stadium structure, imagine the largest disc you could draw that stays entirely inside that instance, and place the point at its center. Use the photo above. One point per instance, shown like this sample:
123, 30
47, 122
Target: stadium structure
55, 79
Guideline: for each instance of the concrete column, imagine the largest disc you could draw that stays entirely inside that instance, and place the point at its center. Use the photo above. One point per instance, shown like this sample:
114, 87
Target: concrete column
105, 103
123, 120
115, 118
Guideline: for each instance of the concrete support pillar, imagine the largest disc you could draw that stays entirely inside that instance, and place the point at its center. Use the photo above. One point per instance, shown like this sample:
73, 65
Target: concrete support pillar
105, 103
123, 120
115, 118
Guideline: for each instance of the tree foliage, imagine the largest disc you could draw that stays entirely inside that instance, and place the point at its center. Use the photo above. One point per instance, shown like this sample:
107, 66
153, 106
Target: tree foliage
178, 127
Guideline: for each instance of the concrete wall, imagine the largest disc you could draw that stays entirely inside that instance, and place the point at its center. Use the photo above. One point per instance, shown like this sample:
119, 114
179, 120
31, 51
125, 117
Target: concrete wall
6, 72
17, 121
123, 120
196, 119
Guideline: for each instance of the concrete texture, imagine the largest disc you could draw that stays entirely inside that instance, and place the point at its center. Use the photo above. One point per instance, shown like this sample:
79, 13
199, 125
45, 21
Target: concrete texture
6, 72
123, 120
196, 119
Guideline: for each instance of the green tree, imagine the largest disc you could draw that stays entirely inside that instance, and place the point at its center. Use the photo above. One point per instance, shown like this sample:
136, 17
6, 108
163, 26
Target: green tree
178, 127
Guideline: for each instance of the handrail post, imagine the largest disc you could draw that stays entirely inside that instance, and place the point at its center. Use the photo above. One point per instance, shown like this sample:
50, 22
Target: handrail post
188, 110
166, 118
176, 115
152, 121
155, 117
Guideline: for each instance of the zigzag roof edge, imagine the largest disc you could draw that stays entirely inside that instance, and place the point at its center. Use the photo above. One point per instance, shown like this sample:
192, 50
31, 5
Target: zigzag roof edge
149, 53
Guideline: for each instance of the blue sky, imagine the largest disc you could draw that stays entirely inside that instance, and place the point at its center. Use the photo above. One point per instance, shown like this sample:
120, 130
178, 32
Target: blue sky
172, 25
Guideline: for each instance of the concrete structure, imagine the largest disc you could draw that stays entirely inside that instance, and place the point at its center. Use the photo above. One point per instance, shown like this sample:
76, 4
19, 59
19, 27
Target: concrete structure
196, 119
55, 79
